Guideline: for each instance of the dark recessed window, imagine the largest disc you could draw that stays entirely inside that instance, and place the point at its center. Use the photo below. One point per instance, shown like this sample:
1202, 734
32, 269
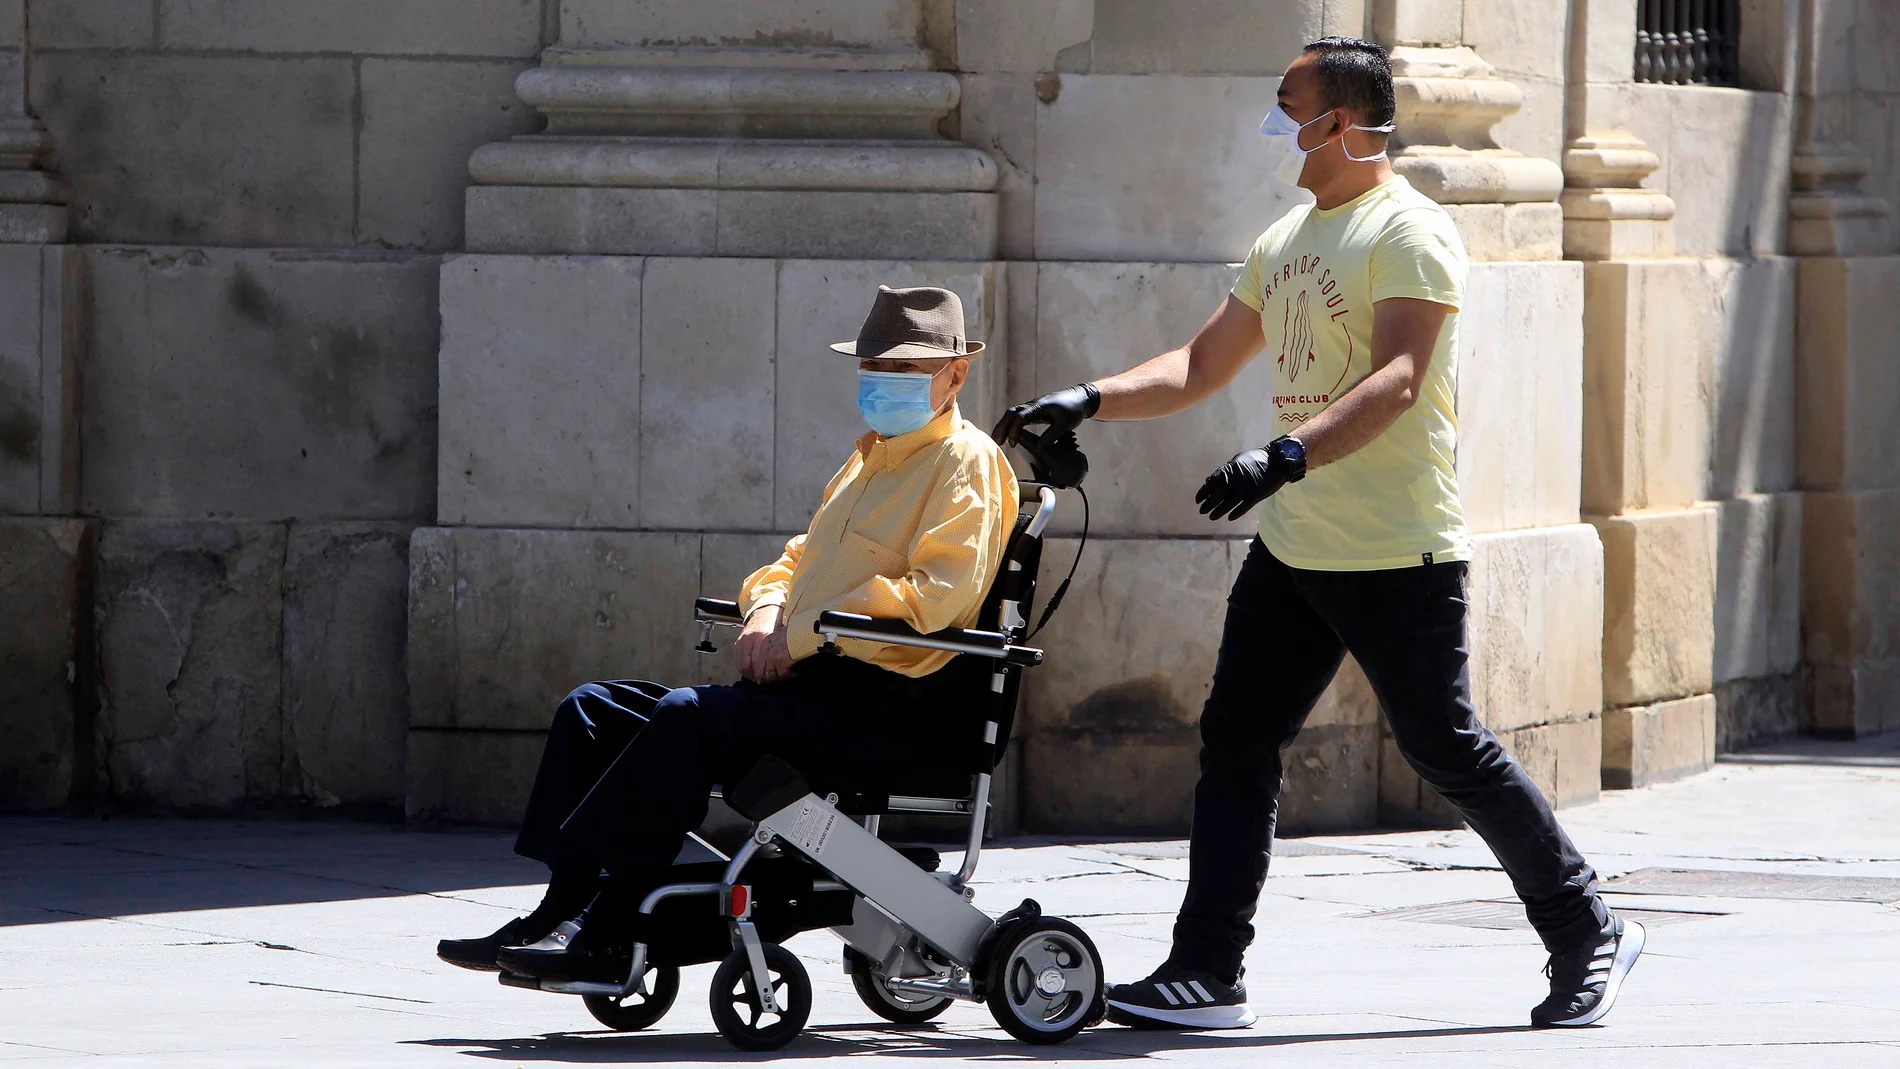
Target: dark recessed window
1688, 42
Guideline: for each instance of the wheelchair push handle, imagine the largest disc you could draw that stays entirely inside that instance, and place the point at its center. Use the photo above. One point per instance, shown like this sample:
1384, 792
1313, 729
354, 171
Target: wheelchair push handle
835, 625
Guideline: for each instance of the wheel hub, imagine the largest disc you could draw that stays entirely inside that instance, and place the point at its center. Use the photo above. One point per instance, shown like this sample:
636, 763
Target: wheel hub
1049, 981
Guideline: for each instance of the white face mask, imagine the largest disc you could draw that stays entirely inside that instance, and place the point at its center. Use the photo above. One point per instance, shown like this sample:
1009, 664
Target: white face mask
1283, 134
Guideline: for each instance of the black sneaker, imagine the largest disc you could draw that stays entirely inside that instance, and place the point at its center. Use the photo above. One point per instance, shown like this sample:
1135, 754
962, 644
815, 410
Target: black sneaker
1174, 996
1584, 982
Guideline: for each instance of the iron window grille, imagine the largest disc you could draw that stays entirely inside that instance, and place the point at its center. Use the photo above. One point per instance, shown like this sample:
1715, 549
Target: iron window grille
1688, 42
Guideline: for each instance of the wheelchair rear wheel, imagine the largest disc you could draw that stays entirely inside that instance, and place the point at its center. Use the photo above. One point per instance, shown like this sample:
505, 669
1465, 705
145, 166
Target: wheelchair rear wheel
1046, 981
739, 1013
635, 1012
888, 1004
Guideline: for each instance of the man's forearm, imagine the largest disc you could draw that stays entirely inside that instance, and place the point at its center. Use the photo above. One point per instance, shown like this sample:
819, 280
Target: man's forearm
1361, 414
1158, 387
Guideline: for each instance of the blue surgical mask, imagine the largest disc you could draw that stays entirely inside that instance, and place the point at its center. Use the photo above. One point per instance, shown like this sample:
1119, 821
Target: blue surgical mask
894, 403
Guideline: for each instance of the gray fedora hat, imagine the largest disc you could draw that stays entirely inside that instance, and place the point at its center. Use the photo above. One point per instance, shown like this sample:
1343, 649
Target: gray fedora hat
920, 323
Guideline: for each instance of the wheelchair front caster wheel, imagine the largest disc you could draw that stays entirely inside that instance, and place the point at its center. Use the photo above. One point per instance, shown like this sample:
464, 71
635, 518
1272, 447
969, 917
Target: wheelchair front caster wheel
739, 1013
1046, 982
888, 1004
635, 1012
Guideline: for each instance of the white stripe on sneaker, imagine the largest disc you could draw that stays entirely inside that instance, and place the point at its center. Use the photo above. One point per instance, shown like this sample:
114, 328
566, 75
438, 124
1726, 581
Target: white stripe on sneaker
1237, 1016
1186, 995
1167, 994
1201, 991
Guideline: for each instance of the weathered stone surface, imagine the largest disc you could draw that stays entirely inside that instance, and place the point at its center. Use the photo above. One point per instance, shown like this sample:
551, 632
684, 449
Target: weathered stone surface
998, 114
1130, 658
1749, 338
1750, 712
503, 623
824, 301
1657, 743
707, 333
222, 150
39, 389
1520, 379
540, 391
1095, 319
346, 695
471, 777
1211, 36
1848, 382
1730, 203
1536, 599
421, 119
45, 572
411, 27
1330, 774
1658, 604
540, 220
1164, 168
731, 222
1645, 417
259, 384
1523, 231
844, 23
1007, 35
1757, 586
190, 626
92, 24
1850, 609
1528, 43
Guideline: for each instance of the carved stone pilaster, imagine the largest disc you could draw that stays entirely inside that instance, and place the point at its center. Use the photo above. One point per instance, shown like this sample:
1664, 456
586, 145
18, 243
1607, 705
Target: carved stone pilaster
658, 152
1608, 215
1449, 101
32, 202
1828, 215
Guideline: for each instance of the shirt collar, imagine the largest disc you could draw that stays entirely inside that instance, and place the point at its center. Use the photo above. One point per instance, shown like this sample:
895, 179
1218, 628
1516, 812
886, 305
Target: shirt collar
904, 446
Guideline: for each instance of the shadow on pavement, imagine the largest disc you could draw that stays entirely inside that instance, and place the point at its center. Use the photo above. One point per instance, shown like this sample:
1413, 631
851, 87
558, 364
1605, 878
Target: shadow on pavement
1873, 751
923, 1042
64, 869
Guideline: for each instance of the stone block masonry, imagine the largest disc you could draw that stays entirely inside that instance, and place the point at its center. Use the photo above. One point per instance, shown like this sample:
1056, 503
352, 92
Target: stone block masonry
45, 729
39, 388
259, 384
1643, 745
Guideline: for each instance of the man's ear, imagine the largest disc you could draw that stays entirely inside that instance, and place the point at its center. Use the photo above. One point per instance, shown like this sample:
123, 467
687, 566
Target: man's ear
959, 372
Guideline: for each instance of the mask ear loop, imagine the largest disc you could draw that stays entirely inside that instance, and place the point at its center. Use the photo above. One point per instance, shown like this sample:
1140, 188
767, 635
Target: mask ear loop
1379, 155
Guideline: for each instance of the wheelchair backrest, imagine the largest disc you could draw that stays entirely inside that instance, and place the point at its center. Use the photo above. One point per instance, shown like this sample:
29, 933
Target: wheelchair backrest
1015, 582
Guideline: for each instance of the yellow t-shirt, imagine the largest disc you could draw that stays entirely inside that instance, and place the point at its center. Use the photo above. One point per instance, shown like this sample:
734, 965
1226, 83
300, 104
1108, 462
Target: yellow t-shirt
1314, 277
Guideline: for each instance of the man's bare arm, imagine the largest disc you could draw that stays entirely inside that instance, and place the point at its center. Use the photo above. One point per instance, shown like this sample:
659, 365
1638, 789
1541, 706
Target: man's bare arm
1180, 378
1404, 333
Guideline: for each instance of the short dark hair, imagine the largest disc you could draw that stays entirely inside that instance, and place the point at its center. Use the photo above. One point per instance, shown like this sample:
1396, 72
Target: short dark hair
1356, 75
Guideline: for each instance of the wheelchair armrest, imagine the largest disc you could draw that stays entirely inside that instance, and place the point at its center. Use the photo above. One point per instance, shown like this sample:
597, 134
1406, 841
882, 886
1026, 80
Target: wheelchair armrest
992, 644
717, 611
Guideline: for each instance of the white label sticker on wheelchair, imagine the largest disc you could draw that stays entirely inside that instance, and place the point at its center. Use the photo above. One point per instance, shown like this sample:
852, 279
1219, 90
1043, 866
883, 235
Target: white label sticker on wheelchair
811, 827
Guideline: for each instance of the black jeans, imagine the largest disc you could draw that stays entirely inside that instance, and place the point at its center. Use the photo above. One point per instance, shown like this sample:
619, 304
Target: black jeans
1287, 632
628, 766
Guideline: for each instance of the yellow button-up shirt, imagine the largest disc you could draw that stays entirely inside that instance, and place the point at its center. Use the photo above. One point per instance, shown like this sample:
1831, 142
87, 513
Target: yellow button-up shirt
912, 528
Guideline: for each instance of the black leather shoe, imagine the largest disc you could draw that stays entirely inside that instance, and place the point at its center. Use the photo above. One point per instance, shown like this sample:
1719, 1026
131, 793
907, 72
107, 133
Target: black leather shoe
480, 953
567, 953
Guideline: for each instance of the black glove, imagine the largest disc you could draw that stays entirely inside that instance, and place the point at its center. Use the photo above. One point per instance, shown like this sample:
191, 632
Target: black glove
1063, 411
1251, 478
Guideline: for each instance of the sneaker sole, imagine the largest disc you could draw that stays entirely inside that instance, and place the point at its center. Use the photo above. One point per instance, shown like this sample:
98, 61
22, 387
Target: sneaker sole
1627, 951
1204, 1018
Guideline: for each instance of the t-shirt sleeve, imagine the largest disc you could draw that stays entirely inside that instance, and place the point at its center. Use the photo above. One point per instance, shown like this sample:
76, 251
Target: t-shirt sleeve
1420, 256
1247, 287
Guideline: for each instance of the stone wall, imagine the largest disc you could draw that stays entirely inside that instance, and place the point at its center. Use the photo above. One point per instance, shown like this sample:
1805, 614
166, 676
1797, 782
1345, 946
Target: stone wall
357, 422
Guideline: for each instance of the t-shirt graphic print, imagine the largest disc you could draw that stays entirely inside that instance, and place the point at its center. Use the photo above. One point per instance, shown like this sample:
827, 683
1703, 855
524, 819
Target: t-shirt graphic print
1313, 277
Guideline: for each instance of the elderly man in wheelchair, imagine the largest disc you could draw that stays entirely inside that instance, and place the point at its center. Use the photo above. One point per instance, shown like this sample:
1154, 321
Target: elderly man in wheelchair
917, 527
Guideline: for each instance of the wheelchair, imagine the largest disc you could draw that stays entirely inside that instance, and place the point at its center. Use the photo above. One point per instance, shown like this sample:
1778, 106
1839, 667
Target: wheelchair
813, 858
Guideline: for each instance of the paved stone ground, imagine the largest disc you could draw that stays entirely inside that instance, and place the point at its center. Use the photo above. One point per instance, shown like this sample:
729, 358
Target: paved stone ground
215, 943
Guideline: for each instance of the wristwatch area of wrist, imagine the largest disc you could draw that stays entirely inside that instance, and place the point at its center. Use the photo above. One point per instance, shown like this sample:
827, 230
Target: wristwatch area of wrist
1293, 451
